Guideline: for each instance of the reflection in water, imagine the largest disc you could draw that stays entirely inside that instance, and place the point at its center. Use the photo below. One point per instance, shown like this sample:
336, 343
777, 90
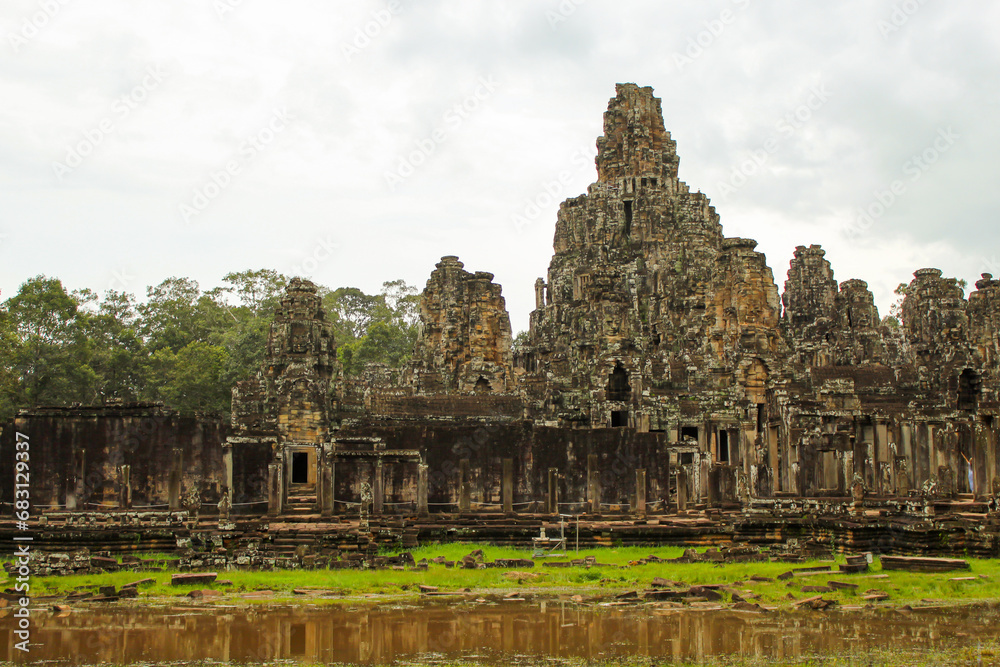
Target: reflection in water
492, 632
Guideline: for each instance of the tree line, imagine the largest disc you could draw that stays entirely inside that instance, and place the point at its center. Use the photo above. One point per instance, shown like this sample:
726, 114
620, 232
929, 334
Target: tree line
182, 345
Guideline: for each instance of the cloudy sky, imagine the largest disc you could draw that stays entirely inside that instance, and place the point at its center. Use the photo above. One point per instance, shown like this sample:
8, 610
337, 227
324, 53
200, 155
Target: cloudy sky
357, 142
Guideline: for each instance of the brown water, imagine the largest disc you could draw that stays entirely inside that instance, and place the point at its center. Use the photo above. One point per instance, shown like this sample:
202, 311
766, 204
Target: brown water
496, 632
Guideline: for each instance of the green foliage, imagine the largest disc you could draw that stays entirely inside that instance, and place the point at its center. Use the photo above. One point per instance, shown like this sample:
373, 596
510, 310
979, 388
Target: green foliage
380, 328
258, 291
191, 380
521, 340
896, 309
46, 351
183, 346
383, 343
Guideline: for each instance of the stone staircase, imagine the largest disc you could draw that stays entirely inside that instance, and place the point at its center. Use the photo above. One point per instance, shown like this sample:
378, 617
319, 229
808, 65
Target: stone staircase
301, 500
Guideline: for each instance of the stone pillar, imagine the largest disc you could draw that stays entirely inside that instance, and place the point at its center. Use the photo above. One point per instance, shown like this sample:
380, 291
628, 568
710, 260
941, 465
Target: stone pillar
174, 481
324, 485
275, 488
464, 487
682, 489
422, 489
508, 486
594, 484
125, 487
74, 486
640, 492
539, 293
552, 504
227, 466
320, 474
377, 490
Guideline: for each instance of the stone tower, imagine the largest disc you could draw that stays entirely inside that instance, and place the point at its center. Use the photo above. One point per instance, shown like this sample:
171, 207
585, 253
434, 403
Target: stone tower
644, 296
465, 340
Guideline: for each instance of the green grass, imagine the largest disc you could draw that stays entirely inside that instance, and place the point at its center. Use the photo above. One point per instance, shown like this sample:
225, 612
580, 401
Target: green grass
903, 587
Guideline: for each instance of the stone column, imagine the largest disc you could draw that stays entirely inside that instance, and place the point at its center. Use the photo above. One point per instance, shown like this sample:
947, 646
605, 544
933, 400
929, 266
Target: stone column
125, 487
422, 489
640, 493
324, 485
174, 481
464, 487
75, 485
682, 490
552, 504
594, 484
508, 486
227, 467
378, 491
320, 464
275, 488
539, 293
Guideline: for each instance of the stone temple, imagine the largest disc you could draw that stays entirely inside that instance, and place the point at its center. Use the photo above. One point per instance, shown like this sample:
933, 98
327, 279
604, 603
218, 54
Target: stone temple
668, 391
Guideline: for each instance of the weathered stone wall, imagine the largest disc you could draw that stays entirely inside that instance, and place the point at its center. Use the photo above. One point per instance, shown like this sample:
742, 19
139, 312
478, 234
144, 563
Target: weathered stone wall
81, 458
533, 450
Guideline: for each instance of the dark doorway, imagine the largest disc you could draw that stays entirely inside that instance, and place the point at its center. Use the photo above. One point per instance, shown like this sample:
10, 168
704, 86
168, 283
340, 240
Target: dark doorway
618, 386
689, 432
628, 218
687, 458
300, 467
723, 446
482, 386
619, 418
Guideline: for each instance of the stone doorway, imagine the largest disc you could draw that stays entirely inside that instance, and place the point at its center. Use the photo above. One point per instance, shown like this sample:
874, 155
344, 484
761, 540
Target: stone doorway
300, 468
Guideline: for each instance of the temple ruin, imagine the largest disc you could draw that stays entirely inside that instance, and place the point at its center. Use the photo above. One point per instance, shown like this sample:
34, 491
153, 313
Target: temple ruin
667, 391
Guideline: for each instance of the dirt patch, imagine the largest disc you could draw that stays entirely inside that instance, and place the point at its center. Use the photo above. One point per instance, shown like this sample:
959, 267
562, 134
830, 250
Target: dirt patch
522, 576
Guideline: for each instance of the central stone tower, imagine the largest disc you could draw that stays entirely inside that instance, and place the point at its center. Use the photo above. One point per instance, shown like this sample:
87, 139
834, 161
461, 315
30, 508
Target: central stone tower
644, 296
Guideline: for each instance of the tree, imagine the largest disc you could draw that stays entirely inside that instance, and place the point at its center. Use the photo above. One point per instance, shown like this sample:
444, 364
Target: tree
118, 355
48, 352
245, 344
379, 328
169, 315
190, 380
896, 309
258, 291
384, 344
351, 311
402, 300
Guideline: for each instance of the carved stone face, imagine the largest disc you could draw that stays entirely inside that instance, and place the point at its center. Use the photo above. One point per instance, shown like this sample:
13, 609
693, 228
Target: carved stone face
299, 340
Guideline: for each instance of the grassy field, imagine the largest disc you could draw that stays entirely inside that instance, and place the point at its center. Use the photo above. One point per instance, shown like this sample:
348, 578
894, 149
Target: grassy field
615, 576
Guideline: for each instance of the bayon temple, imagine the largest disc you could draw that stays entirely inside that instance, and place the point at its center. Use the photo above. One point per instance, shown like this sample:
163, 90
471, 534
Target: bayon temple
667, 391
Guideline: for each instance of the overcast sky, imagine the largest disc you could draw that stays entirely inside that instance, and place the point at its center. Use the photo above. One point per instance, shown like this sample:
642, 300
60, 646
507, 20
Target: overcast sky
357, 142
